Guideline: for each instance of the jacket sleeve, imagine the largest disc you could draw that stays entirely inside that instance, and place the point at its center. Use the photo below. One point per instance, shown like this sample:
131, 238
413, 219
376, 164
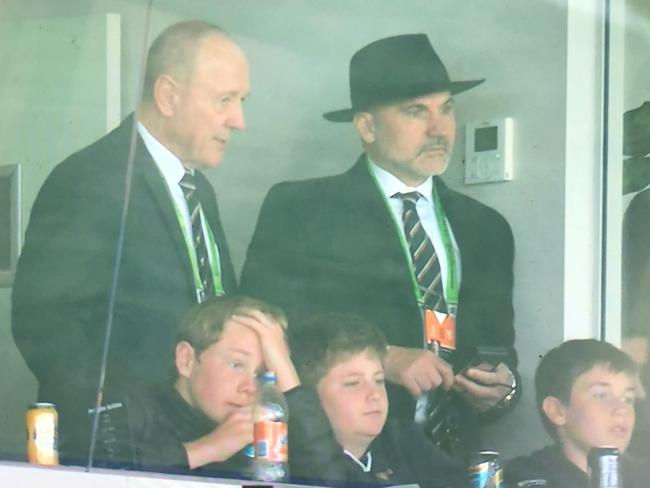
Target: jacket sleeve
486, 312
432, 467
155, 444
278, 269
636, 267
314, 454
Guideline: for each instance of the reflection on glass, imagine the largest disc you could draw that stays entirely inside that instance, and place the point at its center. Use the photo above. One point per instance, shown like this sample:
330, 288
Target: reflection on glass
73, 73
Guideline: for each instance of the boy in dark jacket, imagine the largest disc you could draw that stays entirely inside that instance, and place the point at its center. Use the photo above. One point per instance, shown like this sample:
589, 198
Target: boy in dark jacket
585, 393
201, 421
342, 426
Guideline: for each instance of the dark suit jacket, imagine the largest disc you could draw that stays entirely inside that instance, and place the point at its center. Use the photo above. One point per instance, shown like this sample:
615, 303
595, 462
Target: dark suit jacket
636, 266
330, 245
60, 299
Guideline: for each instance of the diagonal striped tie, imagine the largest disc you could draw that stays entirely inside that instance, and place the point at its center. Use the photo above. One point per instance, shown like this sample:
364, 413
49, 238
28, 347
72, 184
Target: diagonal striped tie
423, 254
188, 185
435, 404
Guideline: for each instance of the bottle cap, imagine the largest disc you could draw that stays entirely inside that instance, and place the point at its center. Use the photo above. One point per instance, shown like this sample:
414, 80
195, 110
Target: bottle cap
268, 377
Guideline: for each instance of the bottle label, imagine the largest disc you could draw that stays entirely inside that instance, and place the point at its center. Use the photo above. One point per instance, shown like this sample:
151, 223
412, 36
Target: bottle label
271, 441
479, 475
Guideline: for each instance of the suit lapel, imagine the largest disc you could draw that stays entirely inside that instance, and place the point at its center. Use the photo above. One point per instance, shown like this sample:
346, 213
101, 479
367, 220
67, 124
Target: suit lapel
455, 212
146, 168
376, 237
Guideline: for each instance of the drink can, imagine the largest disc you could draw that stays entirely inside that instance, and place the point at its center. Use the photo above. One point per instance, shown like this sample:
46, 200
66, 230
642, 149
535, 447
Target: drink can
41, 420
604, 465
486, 471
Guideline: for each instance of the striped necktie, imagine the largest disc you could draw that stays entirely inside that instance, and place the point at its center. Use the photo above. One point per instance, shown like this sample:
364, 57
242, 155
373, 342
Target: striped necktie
188, 185
435, 403
424, 257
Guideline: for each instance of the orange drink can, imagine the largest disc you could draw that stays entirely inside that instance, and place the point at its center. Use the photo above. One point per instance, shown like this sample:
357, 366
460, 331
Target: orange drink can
42, 420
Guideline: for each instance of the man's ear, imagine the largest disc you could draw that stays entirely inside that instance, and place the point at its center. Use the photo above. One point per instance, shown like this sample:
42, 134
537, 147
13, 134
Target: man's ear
185, 359
365, 125
554, 411
165, 95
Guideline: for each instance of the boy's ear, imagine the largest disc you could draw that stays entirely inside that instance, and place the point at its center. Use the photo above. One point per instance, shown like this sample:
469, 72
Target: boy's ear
554, 411
185, 359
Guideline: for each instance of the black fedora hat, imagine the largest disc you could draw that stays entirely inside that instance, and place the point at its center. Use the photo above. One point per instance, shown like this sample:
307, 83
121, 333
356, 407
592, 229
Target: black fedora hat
396, 68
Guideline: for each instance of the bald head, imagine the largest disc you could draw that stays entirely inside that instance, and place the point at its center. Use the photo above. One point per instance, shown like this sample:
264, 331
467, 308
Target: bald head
175, 50
195, 84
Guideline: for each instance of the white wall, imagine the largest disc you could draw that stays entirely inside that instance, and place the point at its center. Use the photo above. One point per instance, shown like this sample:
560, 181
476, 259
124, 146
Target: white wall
299, 53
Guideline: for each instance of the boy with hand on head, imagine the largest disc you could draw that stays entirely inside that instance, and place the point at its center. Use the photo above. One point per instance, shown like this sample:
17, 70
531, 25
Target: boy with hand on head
338, 431
203, 420
585, 393
343, 425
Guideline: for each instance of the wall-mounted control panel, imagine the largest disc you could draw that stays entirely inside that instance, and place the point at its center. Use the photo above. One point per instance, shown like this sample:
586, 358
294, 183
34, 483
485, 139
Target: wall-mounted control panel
488, 151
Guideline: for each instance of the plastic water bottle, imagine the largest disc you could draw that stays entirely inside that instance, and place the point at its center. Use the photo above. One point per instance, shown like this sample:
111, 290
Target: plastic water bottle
270, 415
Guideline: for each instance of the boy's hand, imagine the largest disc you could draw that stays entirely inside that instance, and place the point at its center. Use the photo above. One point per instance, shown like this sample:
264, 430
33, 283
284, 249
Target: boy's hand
232, 435
274, 347
417, 370
484, 386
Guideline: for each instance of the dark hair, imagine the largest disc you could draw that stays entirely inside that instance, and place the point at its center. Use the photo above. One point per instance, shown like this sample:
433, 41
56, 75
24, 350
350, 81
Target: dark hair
325, 340
174, 51
560, 367
204, 323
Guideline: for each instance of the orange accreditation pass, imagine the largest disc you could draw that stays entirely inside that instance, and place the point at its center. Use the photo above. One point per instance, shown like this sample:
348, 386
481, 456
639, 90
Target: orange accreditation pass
440, 327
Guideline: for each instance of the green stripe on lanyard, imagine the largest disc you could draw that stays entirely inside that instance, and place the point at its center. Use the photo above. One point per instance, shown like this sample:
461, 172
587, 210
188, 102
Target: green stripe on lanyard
451, 288
213, 256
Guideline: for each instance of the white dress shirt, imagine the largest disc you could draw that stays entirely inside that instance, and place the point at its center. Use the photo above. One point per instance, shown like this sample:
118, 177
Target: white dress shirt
172, 171
389, 185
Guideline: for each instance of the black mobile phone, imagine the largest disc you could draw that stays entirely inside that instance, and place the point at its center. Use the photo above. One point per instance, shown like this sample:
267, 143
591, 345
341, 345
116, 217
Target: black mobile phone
469, 358
492, 355
463, 359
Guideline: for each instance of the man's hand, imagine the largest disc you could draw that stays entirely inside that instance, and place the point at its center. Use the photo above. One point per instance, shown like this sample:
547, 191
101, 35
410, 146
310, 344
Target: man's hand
417, 370
274, 347
483, 387
232, 435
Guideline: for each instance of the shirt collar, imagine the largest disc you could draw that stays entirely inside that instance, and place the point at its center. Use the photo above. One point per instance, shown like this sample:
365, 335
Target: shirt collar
390, 184
170, 166
367, 466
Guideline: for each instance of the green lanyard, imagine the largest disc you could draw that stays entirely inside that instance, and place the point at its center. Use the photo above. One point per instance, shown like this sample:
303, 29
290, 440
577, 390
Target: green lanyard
213, 255
213, 252
452, 282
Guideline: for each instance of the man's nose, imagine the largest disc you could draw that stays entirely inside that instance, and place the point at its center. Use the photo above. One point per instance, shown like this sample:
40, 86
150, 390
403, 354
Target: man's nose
435, 126
236, 119
441, 124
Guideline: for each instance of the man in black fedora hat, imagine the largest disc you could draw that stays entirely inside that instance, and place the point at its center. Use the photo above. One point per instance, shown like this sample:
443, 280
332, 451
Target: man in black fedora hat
389, 241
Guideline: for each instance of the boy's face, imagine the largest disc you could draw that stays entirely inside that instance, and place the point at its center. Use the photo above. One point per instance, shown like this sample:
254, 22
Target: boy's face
354, 398
600, 412
222, 378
